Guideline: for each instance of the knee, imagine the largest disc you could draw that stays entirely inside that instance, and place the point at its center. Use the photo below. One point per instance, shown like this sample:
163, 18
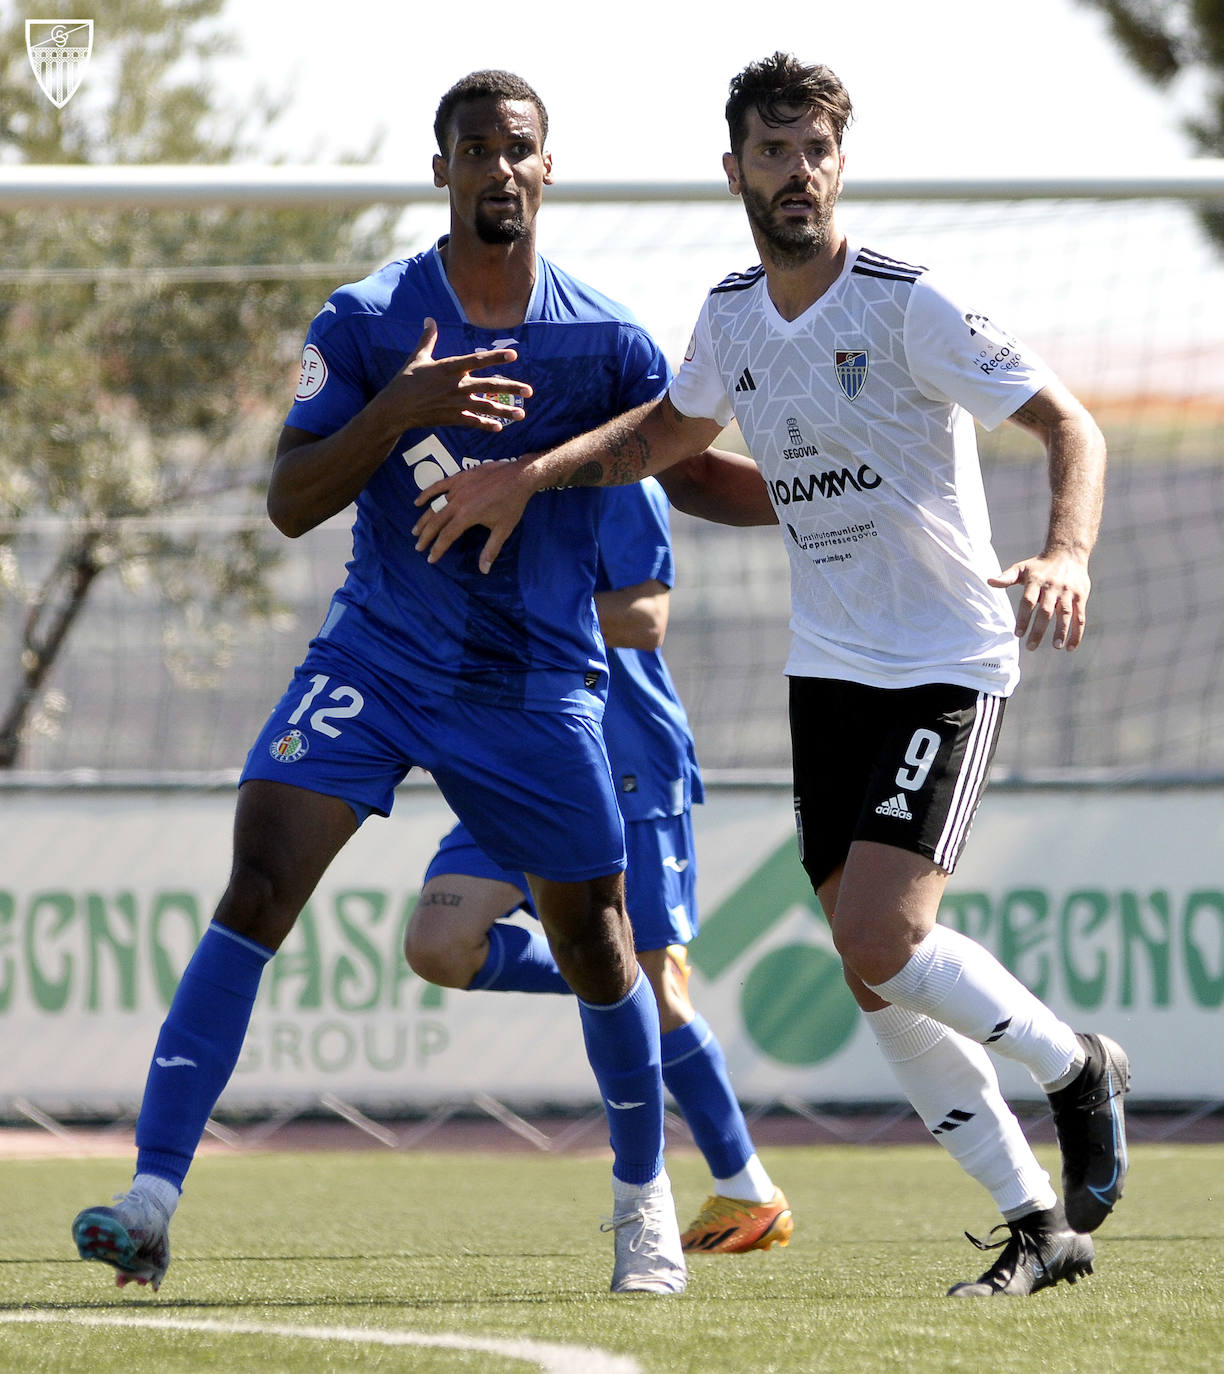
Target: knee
872, 953
255, 905
436, 960
859, 947
590, 936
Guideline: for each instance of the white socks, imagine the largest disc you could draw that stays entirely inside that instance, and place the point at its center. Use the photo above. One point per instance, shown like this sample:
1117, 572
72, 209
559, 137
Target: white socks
158, 1191
951, 1084
626, 1196
959, 983
751, 1184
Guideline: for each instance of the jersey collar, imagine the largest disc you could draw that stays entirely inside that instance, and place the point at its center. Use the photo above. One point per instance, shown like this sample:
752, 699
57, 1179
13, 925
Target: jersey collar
534, 304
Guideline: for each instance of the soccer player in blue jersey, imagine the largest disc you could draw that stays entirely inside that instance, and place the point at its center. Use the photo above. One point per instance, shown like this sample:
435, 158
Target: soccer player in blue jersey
495, 685
457, 939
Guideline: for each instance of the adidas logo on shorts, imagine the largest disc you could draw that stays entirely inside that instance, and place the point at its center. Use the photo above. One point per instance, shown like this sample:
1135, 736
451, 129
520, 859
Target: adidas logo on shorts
897, 806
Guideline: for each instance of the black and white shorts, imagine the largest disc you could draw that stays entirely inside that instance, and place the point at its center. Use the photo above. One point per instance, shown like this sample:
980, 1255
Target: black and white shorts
904, 767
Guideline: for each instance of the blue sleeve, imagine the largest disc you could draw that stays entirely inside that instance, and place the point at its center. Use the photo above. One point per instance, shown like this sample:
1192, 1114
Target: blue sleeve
645, 372
634, 535
334, 382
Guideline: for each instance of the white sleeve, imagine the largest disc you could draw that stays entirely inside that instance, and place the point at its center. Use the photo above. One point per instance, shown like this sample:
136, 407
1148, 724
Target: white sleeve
697, 390
964, 357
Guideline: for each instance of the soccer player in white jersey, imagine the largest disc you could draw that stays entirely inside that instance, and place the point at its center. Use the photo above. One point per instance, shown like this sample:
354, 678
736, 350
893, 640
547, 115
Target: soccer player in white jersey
855, 378
493, 685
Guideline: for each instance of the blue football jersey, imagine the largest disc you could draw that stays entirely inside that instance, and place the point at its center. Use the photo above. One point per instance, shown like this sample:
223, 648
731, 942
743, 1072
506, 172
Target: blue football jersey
650, 745
525, 634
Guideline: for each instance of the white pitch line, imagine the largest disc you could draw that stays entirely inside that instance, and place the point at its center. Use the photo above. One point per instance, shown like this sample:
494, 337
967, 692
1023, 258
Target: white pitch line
549, 1357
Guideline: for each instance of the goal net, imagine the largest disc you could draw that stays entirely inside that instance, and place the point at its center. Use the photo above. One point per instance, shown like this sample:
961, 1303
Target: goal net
1125, 298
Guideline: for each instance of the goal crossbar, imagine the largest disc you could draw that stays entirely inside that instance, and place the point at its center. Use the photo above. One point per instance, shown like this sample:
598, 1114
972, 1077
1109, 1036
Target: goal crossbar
176, 186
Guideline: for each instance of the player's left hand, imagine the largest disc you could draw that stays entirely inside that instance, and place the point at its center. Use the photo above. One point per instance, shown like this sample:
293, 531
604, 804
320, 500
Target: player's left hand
1056, 587
492, 494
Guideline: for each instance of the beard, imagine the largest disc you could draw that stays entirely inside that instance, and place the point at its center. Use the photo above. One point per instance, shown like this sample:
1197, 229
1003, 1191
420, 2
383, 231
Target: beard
501, 228
788, 243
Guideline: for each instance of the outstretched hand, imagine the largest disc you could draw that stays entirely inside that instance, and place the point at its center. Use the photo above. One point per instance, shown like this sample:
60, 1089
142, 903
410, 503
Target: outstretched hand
1056, 588
492, 494
433, 392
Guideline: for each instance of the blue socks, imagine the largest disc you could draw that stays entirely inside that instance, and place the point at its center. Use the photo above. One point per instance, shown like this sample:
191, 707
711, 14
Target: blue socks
622, 1043
520, 960
695, 1072
197, 1049
694, 1068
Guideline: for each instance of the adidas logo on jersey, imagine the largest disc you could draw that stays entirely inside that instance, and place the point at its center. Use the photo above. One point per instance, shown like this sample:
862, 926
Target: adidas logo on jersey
745, 382
897, 806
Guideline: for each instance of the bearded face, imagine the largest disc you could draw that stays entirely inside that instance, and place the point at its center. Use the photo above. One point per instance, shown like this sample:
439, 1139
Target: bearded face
500, 223
792, 236
788, 174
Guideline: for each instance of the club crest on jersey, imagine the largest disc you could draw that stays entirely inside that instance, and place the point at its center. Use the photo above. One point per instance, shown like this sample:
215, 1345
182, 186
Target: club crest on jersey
313, 376
289, 747
850, 364
59, 51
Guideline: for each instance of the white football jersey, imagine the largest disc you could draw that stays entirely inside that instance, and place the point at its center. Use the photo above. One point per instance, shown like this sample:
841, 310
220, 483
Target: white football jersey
860, 416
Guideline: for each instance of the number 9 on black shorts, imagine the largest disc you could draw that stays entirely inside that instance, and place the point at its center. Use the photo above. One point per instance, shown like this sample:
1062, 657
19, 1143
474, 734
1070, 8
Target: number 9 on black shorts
899, 766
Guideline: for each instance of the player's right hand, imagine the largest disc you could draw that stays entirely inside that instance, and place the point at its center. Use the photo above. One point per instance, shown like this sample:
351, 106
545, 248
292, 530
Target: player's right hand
432, 392
490, 494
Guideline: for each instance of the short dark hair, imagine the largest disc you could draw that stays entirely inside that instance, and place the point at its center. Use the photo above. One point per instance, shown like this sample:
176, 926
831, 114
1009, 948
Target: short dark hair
485, 85
774, 83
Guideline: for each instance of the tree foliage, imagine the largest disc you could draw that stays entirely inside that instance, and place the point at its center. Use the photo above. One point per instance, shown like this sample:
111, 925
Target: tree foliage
1172, 40
146, 356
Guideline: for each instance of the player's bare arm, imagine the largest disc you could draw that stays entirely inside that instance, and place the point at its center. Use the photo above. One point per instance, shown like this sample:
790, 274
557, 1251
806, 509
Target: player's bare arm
1056, 583
638, 444
634, 617
313, 477
721, 486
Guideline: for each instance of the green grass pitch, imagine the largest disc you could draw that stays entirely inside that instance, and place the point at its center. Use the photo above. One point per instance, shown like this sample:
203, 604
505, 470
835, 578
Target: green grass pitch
447, 1263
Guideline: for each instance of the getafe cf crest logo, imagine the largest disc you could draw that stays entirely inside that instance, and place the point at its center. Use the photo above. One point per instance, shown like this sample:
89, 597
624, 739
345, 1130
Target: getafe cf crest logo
290, 747
850, 364
59, 52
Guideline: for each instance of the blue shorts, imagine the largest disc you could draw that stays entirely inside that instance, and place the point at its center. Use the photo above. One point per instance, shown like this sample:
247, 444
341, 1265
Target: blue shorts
533, 787
660, 882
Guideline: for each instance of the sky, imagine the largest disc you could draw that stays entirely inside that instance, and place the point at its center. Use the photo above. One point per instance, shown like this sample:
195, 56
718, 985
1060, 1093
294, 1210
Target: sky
635, 90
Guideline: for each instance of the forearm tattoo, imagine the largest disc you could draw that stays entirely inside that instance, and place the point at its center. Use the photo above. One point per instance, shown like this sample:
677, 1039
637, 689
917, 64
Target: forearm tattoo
627, 460
588, 475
